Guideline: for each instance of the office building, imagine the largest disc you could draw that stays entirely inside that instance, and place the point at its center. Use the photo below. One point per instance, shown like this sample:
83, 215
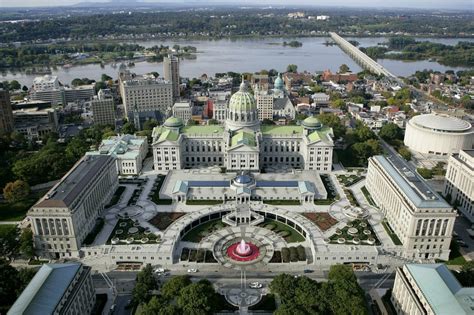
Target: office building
146, 97
103, 108
183, 111
63, 218
422, 220
79, 93
6, 112
242, 144
264, 105
57, 289
171, 73
129, 152
421, 289
459, 182
35, 122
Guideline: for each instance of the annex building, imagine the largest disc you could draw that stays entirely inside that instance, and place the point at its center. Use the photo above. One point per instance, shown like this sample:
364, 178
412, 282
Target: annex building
242, 143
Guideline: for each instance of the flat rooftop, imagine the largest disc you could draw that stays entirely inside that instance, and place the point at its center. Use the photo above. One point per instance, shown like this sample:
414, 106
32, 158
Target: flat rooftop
412, 185
45, 290
75, 181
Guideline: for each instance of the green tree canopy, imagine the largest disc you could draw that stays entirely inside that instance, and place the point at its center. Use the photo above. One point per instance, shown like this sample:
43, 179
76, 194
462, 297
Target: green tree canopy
128, 128
344, 68
172, 287
335, 123
292, 68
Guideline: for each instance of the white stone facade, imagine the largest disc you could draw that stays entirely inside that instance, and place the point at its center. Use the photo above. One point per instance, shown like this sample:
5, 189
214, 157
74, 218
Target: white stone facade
62, 219
459, 182
420, 218
438, 134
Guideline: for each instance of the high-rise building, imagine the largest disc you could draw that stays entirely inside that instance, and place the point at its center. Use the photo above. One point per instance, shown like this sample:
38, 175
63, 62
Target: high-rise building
421, 219
35, 122
171, 73
6, 113
57, 289
264, 105
459, 182
147, 96
63, 218
103, 108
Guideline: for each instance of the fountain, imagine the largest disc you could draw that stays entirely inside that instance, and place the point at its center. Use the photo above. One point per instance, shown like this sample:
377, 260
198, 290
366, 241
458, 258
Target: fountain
243, 251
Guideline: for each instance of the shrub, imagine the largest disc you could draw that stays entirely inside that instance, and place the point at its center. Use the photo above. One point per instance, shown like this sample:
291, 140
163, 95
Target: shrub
285, 254
301, 253
293, 254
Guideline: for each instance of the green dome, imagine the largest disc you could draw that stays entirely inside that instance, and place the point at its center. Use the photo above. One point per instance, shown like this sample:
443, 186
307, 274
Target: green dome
312, 123
279, 84
173, 122
242, 101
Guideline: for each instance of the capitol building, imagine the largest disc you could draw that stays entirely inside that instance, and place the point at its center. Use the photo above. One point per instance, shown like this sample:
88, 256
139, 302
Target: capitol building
242, 143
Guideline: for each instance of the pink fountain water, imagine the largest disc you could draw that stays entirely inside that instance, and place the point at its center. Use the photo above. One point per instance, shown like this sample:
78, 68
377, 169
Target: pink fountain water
243, 251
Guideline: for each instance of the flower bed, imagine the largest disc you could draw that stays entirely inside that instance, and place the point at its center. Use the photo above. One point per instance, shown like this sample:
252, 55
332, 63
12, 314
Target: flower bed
163, 219
358, 232
323, 220
349, 180
126, 231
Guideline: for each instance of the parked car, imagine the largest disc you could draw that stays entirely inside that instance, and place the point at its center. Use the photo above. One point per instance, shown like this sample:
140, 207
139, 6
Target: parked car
159, 270
192, 270
255, 285
308, 271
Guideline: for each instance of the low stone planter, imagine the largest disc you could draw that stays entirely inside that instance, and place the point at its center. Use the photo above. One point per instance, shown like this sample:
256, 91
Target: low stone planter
129, 240
144, 240
115, 241
356, 241
341, 240
118, 232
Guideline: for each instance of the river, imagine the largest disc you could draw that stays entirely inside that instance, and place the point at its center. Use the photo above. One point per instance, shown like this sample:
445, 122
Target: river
248, 55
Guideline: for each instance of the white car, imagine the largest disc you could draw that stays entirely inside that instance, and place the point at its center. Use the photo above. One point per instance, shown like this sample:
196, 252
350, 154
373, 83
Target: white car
159, 270
255, 285
192, 270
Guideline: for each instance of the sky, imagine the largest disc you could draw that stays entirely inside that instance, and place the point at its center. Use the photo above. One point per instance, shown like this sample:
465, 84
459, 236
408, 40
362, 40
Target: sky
428, 4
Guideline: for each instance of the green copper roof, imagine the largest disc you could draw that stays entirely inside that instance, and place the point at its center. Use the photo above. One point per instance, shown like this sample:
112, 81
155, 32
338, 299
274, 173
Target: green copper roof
203, 130
245, 138
279, 82
173, 122
320, 135
242, 101
312, 122
441, 289
168, 135
281, 130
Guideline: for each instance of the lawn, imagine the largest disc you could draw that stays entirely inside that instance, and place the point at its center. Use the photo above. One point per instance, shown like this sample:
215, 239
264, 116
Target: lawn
390, 233
350, 196
349, 180
368, 197
116, 197
282, 202
155, 192
164, 219
204, 202
287, 232
455, 256
199, 232
6, 228
323, 220
16, 211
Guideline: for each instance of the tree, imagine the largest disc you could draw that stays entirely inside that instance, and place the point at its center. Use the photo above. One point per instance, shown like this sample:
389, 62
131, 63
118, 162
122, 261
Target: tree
289, 309
173, 286
128, 128
405, 153
145, 283
198, 298
26, 243
24, 88
390, 132
267, 121
426, 173
340, 104
14, 85
192, 122
333, 121
104, 77
363, 133
285, 286
466, 275
10, 284
212, 122
16, 191
292, 68
344, 68
8, 241
77, 82
150, 124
